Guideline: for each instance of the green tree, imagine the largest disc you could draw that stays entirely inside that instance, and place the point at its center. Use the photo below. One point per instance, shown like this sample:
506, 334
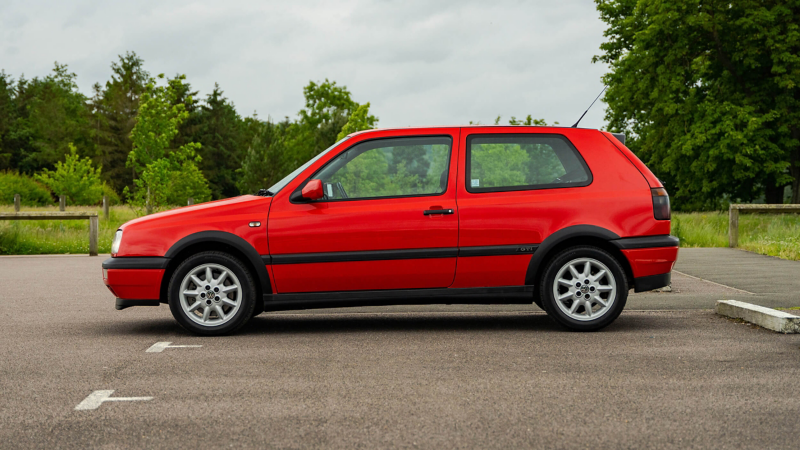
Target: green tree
276, 149
74, 178
222, 133
115, 107
163, 171
39, 117
708, 93
359, 120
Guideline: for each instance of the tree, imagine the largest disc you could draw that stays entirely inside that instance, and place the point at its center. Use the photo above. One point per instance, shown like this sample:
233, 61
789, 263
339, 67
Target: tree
162, 171
74, 178
708, 94
115, 108
39, 118
277, 149
222, 133
359, 120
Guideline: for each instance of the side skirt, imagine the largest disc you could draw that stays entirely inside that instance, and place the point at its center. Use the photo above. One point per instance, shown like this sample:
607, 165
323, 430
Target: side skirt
461, 296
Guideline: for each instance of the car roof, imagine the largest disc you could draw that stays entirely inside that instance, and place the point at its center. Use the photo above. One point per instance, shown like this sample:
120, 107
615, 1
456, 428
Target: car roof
376, 130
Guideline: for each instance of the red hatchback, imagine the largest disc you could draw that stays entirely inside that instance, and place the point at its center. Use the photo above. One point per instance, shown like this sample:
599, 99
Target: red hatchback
565, 218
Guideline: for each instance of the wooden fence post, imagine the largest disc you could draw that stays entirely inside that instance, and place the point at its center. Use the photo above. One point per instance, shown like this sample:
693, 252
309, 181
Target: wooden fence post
190, 202
93, 229
105, 207
733, 227
148, 206
62, 202
16, 202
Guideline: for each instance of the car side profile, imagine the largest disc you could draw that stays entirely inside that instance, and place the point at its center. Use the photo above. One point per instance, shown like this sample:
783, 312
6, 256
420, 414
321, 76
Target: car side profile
567, 218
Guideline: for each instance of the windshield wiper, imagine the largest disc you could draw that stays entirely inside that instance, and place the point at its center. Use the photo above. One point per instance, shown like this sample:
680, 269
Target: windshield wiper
265, 193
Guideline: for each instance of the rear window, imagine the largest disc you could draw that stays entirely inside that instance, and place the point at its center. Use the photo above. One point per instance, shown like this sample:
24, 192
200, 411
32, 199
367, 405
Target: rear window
515, 162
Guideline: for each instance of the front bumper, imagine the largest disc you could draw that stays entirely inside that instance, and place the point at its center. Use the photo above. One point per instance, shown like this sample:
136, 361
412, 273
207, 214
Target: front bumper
134, 278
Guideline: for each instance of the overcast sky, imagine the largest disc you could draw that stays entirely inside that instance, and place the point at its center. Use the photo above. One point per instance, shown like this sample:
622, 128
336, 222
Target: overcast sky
417, 62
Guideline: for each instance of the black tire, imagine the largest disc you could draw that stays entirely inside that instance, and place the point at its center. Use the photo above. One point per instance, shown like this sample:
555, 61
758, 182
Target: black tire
609, 314
247, 300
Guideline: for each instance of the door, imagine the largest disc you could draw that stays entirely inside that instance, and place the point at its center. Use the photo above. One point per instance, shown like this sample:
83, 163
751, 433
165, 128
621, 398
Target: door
388, 219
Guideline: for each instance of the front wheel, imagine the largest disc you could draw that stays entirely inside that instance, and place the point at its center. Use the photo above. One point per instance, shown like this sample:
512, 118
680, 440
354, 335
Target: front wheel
584, 288
212, 293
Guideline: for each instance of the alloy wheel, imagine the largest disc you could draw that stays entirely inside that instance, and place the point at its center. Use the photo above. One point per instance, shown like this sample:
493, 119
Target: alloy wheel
584, 289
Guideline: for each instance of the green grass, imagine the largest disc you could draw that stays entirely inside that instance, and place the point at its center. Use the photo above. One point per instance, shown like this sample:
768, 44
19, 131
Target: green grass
35, 237
767, 234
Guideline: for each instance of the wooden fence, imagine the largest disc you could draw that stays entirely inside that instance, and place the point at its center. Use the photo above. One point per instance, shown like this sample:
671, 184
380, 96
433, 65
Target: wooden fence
733, 223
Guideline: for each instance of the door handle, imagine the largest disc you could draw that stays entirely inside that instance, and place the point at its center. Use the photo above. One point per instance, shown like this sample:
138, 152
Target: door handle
428, 212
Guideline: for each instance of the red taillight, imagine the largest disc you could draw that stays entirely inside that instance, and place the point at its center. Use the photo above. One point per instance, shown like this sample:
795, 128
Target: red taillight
661, 209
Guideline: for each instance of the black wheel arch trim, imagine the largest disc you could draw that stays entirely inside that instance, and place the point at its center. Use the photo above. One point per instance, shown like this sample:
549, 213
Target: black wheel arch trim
575, 231
222, 237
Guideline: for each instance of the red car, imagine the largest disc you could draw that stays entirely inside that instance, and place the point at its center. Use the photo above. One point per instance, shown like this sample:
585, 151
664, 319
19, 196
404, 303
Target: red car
566, 218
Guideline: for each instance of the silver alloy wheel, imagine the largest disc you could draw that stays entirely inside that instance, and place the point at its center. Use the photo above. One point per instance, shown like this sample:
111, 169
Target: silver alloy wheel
210, 295
584, 289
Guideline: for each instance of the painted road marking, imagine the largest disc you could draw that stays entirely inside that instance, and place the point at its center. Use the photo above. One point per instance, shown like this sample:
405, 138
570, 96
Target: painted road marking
159, 347
97, 398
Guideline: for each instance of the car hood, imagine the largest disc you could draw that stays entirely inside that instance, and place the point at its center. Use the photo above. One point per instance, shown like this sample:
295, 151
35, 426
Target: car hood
153, 235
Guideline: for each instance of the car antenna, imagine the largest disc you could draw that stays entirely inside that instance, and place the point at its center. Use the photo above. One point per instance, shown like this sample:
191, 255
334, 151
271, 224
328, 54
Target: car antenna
590, 107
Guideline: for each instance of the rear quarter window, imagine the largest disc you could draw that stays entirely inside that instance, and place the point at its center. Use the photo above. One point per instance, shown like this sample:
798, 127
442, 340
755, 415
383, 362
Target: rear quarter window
515, 162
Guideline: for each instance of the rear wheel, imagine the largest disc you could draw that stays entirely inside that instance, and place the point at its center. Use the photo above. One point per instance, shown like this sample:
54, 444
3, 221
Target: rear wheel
212, 293
584, 288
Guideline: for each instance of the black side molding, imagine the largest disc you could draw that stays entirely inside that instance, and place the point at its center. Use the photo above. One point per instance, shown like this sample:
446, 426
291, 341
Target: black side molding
647, 242
124, 303
643, 284
372, 255
314, 300
136, 262
497, 250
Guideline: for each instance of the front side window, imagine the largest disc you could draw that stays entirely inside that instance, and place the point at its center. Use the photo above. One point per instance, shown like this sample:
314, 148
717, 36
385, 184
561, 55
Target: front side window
520, 162
396, 167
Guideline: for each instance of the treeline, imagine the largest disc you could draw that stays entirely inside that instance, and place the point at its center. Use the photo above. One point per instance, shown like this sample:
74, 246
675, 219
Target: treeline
139, 132
709, 95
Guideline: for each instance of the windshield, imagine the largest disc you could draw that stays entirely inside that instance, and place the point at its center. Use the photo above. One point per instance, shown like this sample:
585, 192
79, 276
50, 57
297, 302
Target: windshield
288, 178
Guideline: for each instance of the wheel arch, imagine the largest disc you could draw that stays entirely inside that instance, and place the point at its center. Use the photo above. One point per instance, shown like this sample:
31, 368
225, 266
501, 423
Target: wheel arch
217, 241
570, 237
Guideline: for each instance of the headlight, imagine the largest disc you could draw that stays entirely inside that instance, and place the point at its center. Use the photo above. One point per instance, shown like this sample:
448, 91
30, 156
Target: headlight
116, 242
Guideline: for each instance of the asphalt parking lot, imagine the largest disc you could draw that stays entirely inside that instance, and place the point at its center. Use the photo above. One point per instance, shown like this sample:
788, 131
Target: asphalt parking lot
667, 373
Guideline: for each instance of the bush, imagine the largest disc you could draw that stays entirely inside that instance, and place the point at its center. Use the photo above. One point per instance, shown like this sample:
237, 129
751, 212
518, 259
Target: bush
74, 178
31, 193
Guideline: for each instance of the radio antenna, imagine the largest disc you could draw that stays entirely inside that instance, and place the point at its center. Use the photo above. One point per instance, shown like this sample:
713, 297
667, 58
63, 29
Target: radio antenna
590, 107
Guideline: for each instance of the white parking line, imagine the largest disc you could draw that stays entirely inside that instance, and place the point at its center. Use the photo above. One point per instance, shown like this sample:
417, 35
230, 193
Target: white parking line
159, 347
714, 282
97, 398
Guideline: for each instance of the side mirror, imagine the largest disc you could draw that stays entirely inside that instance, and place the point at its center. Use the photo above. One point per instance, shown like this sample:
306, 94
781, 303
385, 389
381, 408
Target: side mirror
311, 191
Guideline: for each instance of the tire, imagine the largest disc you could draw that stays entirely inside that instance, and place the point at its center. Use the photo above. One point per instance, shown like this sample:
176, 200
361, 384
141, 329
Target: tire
234, 294
589, 306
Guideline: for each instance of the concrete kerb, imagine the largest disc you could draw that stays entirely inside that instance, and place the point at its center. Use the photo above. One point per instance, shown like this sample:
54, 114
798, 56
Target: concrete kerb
768, 318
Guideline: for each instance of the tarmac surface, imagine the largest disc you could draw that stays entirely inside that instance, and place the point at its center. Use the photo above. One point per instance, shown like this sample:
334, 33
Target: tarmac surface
667, 373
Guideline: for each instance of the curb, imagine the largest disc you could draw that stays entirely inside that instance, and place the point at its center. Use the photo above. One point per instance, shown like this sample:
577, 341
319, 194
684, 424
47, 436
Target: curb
764, 317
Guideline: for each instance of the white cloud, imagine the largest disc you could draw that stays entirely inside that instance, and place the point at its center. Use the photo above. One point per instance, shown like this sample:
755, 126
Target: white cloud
417, 62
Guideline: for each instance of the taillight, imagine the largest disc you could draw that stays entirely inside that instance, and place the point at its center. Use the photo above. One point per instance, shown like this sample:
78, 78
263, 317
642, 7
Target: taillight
660, 203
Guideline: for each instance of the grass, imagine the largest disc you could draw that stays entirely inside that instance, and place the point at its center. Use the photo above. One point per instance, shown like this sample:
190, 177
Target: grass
767, 234
34, 237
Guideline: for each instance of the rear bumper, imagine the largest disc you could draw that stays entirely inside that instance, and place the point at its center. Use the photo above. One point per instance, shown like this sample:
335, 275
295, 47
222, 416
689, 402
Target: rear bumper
651, 259
134, 278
